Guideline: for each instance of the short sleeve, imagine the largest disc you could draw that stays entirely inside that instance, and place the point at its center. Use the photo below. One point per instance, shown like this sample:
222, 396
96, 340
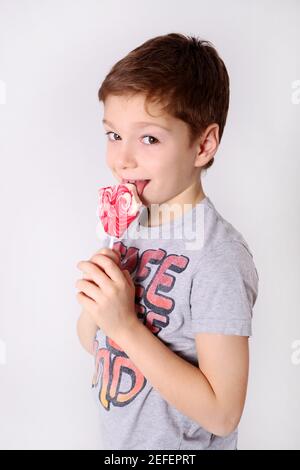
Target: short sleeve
224, 290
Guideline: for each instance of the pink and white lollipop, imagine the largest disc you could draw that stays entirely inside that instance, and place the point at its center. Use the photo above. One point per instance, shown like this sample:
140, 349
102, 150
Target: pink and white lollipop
118, 207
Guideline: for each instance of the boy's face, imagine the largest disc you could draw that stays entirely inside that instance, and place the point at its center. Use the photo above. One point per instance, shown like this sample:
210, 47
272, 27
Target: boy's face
139, 151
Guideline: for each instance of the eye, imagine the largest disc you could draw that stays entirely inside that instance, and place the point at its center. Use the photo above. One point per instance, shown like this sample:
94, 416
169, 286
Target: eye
113, 133
156, 141
151, 137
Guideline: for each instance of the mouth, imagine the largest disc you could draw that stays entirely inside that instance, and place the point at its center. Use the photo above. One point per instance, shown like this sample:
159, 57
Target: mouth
139, 184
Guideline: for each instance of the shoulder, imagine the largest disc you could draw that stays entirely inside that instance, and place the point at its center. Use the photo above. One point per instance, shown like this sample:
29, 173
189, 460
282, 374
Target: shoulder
218, 230
224, 290
221, 240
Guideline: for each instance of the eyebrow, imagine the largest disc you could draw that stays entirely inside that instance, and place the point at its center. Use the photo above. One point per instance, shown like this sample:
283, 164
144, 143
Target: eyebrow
140, 124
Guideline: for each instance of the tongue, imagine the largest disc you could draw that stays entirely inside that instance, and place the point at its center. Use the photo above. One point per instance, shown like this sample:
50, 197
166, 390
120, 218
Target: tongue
140, 185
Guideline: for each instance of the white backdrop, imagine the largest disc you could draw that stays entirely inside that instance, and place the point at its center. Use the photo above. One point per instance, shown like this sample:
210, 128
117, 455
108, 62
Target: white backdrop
53, 57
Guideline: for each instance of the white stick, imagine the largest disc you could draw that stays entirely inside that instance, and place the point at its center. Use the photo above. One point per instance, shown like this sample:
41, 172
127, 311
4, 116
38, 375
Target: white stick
111, 242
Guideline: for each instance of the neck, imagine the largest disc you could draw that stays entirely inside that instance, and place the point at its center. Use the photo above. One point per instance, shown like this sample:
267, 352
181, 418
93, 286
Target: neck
175, 207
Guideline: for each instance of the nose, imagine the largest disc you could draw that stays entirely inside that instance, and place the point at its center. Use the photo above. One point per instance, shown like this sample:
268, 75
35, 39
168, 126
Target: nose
125, 159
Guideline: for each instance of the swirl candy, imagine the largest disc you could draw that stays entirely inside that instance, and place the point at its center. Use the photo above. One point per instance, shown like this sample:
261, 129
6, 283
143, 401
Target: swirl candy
119, 205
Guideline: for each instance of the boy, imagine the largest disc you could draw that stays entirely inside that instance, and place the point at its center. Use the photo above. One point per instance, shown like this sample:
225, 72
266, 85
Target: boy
167, 320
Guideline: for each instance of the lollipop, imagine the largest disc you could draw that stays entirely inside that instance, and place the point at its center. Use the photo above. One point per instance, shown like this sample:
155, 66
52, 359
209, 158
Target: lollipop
119, 206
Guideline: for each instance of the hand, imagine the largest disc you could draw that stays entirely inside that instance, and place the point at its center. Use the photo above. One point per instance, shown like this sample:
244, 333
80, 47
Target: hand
107, 293
113, 254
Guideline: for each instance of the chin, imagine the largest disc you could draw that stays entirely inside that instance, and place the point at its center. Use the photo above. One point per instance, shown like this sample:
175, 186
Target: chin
148, 200
145, 201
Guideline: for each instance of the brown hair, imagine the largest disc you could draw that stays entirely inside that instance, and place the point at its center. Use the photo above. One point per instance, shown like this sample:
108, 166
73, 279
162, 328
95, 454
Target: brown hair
183, 74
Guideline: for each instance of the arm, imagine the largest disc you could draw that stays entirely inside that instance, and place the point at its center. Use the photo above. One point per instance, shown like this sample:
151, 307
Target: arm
86, 330
224, 361
214, 395
86, 327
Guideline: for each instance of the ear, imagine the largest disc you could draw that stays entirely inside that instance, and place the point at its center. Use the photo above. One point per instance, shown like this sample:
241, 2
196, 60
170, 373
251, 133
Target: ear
208, 145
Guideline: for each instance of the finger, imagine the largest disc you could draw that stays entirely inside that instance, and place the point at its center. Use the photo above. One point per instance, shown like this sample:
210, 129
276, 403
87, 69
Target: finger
88, 277
113, 254
109, 267
87, 304
88, 288
94, 273
128, 277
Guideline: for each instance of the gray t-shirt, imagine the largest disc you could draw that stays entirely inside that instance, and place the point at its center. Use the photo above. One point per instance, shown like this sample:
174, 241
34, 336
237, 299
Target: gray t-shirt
195, 274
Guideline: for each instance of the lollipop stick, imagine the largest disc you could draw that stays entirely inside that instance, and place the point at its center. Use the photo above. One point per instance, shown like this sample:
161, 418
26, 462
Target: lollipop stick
111, 242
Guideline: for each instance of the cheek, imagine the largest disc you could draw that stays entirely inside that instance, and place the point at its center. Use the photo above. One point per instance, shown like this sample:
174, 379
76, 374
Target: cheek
171, 164
109, 159
164, 161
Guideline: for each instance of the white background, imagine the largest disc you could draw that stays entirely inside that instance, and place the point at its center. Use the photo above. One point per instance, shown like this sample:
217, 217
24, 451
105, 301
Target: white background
53, 58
